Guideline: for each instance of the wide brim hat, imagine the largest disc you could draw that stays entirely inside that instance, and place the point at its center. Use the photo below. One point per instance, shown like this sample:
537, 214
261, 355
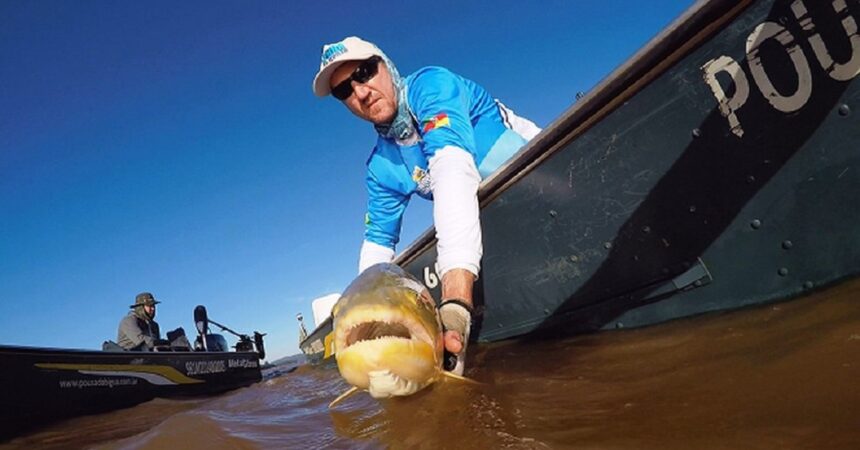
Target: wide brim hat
144, 299
333, 55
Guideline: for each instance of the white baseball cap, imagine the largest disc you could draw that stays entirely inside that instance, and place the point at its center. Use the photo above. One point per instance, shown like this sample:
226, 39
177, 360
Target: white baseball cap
333, 55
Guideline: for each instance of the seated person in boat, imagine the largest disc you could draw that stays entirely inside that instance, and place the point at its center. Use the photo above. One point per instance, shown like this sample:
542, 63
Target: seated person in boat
138, 330
439, 135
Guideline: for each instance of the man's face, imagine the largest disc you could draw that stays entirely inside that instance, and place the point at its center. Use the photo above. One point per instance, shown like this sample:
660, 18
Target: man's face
149, 310
375, 100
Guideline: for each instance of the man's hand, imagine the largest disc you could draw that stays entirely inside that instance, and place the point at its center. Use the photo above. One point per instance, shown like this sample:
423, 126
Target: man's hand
456, 284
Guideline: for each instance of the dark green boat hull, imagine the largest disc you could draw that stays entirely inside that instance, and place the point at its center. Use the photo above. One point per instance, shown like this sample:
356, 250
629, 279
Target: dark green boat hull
602, 229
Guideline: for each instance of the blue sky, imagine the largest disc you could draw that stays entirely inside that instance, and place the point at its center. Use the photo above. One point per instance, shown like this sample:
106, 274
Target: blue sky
177, 148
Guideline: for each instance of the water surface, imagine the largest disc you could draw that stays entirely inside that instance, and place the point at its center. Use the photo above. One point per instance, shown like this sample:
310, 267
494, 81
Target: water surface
779, 376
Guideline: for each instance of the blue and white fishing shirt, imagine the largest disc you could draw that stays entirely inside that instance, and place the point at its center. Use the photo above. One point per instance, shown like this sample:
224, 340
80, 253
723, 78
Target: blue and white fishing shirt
462, 136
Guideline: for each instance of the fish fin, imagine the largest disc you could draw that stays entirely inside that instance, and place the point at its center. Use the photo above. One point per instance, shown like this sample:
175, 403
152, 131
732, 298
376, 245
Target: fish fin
458, 377
343, 396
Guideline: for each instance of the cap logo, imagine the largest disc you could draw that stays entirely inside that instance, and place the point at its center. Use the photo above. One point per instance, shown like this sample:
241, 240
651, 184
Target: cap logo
332, 51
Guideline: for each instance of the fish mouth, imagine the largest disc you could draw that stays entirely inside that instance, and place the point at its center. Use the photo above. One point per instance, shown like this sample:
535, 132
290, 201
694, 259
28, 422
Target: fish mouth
370, 325
387, 327
386, 354
372, 330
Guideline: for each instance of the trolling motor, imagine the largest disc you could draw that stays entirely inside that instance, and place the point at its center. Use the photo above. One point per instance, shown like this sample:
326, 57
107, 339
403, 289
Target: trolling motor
207, 341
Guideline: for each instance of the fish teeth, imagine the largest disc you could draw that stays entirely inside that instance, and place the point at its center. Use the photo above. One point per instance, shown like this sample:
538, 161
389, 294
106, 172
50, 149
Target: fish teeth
384, 384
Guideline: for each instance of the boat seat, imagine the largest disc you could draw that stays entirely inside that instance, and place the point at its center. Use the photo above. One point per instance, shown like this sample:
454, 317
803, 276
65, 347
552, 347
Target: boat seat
178, 341
111, 346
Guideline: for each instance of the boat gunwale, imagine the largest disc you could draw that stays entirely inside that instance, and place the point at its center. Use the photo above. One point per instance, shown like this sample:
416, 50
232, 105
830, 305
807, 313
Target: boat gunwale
29, 350
691, 29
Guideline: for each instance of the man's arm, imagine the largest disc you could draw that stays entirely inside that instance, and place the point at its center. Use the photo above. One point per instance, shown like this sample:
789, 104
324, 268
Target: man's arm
457, 284
441, 103
455, 181
382, 224
442, 106
372, 253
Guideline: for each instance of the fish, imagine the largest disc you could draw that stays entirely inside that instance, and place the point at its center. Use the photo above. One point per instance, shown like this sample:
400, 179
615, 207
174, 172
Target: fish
387, 335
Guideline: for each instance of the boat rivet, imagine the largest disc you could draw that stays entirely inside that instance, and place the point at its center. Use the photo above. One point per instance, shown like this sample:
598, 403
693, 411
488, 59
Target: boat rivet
751, 179
782, 271
783, 20
607, 245
693, 208
844, 110
786, 244
546, 311
807, 284
756, 224
697, 132
574, 258
646, 229
619, 325
552, 213
698, 283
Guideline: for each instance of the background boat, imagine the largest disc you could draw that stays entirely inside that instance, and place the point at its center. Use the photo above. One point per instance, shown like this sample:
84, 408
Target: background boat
41, 385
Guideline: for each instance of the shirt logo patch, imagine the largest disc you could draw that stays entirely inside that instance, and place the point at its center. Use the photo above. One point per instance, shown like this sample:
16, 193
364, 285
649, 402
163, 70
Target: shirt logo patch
438, 121
422, 179
417, 174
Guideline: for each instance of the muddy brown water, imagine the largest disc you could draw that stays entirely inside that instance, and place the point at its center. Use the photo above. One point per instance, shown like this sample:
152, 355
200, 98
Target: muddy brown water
785, 375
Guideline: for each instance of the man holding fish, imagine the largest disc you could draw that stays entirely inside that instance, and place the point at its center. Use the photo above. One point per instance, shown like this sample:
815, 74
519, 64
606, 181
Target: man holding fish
439, 135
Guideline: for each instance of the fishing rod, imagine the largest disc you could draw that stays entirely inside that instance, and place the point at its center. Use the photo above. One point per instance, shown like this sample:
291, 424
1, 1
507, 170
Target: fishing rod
202, 321
224, 328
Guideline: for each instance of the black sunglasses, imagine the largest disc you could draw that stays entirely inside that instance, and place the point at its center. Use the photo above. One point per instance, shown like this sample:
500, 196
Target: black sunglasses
362, 74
